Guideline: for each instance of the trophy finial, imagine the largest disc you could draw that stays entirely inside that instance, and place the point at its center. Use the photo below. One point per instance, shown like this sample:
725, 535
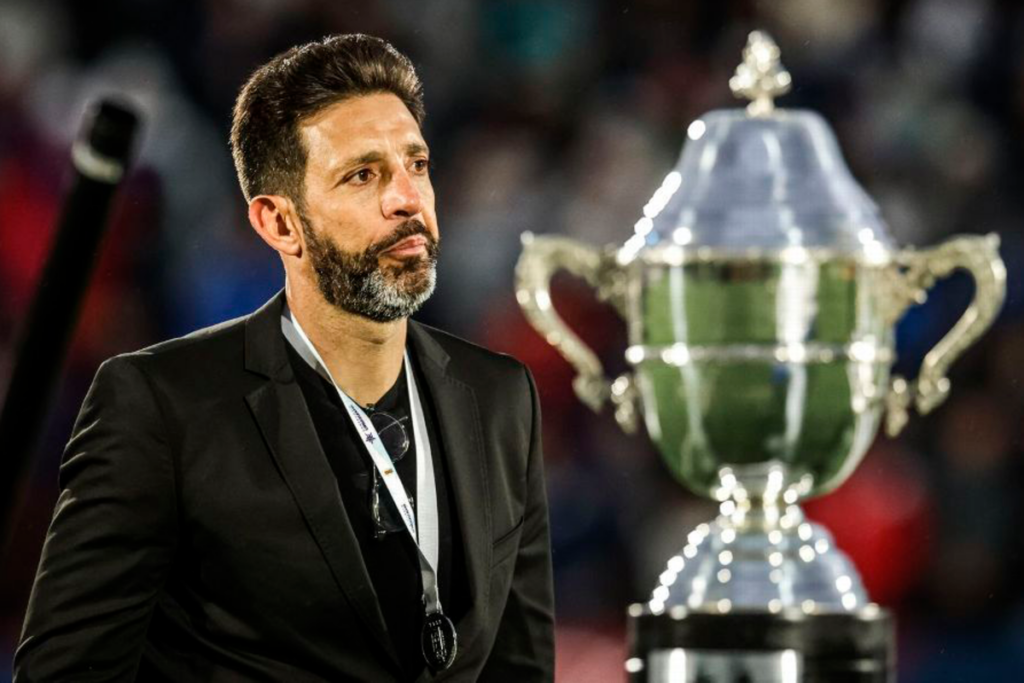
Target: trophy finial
761, 77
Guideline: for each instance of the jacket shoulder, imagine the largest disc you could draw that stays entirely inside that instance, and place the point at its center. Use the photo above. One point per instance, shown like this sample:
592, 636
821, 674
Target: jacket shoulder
205, 341
202, 360
199, 340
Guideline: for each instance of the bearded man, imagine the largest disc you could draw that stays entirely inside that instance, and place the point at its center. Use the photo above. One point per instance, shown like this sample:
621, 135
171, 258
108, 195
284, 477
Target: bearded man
322, 490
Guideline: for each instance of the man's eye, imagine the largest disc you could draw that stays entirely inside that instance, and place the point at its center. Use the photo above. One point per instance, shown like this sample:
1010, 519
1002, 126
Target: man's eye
421, 165
362, 175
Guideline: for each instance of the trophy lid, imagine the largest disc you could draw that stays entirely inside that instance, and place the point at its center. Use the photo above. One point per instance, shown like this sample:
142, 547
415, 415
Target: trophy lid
761, 179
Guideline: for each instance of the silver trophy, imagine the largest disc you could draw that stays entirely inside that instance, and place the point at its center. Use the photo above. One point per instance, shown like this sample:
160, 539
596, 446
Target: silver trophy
761, 291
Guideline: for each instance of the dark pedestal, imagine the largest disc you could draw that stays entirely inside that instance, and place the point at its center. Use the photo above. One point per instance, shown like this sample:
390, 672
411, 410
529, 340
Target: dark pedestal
682, 646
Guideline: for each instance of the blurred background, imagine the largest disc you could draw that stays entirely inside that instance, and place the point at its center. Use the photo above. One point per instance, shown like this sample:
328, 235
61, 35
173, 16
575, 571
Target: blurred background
563, 116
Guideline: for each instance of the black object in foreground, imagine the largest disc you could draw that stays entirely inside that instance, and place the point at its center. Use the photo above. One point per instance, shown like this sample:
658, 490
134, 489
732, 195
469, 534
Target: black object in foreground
788, 646
100, 156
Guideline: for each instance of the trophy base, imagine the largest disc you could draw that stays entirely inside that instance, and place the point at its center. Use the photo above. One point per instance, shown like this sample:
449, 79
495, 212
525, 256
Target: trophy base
760, 559
791, 646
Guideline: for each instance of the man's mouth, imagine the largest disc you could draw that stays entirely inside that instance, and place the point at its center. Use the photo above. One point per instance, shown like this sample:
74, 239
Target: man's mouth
410, 246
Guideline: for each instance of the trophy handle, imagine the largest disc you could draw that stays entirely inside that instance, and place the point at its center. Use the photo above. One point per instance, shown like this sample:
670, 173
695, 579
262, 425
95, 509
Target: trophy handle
917, 271
542, 257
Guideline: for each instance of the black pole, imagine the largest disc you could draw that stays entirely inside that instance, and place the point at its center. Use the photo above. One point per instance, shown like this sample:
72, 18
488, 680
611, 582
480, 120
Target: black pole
100, 156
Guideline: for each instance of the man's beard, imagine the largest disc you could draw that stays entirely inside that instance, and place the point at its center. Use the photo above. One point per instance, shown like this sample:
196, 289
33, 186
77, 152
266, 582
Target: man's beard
357, 283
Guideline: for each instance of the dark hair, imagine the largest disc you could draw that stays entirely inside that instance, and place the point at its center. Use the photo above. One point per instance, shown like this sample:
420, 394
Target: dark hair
266, 143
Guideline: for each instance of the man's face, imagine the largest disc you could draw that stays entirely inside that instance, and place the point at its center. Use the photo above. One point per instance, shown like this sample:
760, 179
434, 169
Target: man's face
370, 228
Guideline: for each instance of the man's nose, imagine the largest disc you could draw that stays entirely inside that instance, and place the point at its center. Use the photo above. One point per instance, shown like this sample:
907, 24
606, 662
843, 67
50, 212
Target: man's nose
401, 197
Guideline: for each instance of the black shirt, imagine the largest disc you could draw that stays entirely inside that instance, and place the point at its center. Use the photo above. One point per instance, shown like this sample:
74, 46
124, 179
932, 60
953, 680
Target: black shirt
392, 561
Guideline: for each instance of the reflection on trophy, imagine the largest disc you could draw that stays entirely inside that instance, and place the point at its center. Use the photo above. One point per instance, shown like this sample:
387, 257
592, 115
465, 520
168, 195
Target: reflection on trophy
761, 291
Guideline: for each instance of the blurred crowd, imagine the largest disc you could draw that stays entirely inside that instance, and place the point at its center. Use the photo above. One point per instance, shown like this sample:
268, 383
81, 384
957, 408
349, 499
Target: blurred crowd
562, 116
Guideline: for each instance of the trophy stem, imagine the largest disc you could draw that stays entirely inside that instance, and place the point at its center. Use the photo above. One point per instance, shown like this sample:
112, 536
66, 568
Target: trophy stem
758, 499
759, 514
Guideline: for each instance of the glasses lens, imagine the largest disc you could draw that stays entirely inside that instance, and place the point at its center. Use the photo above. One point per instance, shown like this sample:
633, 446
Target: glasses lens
392, 433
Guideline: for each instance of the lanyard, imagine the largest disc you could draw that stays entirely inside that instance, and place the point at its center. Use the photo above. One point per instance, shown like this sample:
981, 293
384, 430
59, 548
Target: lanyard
425, 536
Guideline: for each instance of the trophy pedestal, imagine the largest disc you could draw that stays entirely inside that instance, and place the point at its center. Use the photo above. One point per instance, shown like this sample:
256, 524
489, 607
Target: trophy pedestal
682, 646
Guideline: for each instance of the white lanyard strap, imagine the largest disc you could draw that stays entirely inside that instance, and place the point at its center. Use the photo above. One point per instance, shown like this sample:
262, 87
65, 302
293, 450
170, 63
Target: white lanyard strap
426, 536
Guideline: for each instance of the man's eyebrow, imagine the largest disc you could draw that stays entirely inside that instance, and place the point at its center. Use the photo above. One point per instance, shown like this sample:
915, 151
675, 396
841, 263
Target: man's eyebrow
367, 158
416, 148
412, 149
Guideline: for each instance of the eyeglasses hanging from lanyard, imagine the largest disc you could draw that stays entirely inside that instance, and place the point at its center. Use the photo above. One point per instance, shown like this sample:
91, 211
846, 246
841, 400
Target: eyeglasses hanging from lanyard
395, 440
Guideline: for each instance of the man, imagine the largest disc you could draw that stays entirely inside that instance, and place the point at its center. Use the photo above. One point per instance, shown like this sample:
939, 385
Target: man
323, 490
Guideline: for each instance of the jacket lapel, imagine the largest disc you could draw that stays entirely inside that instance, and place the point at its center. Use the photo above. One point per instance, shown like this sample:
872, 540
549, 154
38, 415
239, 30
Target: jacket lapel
280, 411
462, 445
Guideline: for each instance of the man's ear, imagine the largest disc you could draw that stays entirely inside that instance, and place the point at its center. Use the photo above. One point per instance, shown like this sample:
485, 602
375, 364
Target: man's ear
274, 219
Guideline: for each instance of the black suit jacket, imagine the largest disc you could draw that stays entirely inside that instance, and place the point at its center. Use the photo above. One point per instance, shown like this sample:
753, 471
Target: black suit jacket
200, 536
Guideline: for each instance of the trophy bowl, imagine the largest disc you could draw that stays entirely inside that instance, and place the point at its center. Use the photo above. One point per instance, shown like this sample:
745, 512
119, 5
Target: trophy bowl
761, 291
